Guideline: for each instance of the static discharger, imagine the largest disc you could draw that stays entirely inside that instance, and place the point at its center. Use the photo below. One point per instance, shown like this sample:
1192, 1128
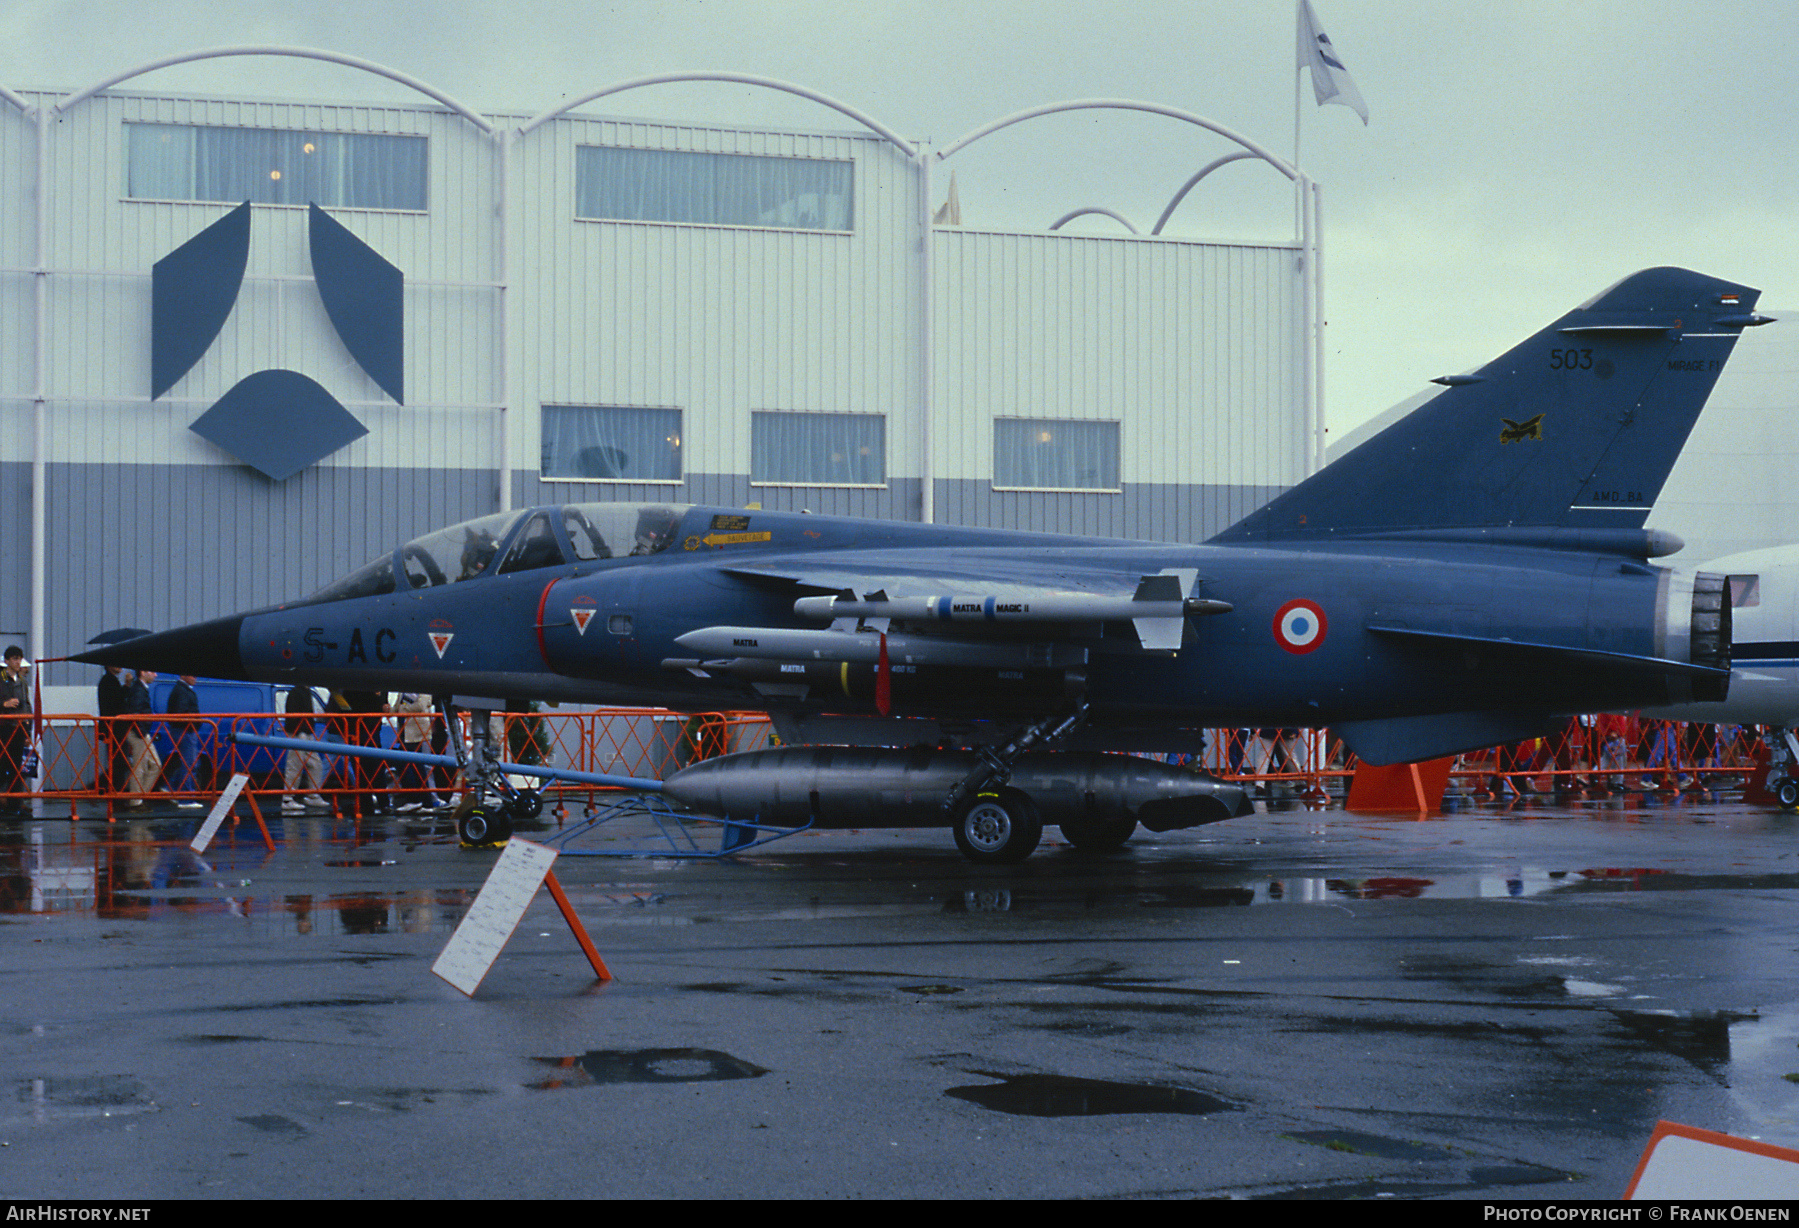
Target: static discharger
496, 912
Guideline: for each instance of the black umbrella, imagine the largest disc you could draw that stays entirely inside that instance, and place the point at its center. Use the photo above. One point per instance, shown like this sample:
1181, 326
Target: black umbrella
118, 635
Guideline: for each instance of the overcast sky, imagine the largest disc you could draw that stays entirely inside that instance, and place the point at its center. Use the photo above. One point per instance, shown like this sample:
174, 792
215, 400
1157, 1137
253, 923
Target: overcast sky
1520, 157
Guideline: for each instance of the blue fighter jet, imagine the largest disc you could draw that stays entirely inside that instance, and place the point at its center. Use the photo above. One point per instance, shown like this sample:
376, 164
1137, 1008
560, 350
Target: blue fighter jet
1468, 576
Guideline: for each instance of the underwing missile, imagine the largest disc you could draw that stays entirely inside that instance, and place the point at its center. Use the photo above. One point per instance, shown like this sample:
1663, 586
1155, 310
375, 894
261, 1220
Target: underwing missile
1157, 609
1054, 607
786, 644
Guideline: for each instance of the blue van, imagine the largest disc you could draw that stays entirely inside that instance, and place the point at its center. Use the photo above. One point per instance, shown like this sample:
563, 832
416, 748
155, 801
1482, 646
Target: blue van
219, 756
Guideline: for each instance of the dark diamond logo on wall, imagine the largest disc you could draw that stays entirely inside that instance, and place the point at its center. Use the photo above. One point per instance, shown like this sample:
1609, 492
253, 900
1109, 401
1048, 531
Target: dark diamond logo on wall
277, 422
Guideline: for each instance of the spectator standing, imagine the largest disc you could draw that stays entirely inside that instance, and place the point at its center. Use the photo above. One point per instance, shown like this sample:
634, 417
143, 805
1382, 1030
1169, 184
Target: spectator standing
442, 779
15, 729
109, 766
362, 712
302, 711
184, 701
414, 712
143, 763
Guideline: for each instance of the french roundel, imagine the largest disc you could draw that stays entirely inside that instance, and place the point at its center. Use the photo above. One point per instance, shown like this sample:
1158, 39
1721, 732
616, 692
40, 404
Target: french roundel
1299, 626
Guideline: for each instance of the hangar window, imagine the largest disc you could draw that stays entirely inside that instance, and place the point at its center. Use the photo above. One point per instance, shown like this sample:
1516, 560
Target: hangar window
611, 443
799, 449
709, 189
1055, 454
274, 166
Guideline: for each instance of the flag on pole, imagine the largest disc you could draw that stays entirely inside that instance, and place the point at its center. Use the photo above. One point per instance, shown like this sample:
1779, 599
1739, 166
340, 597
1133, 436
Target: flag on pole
951, 212
1331, 81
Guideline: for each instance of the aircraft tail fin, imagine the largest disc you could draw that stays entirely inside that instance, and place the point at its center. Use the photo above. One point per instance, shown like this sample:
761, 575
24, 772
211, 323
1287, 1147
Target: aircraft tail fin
1573, 429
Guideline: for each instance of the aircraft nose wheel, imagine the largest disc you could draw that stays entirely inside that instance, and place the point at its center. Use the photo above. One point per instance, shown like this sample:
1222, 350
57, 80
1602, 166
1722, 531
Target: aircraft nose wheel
484, 823
998, 828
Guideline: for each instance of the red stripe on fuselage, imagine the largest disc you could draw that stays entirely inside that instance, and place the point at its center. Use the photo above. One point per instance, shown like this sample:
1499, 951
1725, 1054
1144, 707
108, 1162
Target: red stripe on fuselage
541, 603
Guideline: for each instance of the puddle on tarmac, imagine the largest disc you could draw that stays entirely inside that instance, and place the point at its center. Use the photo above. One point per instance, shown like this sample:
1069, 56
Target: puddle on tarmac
82, 1096
1360, 1142
1041, 1095
645, 1066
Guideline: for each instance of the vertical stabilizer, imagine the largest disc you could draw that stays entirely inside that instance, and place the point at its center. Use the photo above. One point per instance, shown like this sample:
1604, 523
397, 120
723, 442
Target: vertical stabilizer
1575, 428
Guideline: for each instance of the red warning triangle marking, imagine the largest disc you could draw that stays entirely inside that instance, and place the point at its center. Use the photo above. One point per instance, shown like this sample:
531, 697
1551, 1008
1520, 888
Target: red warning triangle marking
582, 618
440, 640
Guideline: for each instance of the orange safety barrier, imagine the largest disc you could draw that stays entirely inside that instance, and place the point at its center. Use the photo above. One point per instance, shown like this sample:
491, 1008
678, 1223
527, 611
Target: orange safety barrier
184, 761
1590, 754
177, 759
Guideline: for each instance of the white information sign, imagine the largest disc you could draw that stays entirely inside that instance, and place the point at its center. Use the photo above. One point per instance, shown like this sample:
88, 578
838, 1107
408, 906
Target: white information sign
496, 912
220, 809
1685, 1162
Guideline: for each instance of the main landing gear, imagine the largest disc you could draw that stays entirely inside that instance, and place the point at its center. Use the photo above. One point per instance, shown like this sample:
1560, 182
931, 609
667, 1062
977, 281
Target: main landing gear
493, 805
993, 824
998, 827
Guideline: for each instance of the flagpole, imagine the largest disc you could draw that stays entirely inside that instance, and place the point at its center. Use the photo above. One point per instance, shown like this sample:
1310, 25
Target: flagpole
1298, 74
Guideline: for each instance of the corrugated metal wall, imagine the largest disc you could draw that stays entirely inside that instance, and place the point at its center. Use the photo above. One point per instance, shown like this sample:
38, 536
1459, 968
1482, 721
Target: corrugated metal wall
721, 321
1191, 347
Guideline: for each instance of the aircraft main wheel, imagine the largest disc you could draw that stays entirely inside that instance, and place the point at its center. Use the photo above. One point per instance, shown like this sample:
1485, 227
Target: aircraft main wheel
1787, 794
1098, 835
998, 828
484, 824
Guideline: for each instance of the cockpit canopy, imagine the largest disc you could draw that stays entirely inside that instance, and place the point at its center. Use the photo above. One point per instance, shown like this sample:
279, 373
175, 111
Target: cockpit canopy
521, 541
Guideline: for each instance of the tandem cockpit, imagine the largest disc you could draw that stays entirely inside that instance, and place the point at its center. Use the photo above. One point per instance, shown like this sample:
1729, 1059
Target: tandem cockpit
507, 542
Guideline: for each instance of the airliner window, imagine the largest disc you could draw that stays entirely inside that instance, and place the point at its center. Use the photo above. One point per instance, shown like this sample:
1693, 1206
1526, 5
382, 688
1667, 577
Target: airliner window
536, 547
1745, 590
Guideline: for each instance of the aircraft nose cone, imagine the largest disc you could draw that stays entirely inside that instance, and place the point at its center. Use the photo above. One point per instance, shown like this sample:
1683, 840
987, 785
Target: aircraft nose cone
208, 649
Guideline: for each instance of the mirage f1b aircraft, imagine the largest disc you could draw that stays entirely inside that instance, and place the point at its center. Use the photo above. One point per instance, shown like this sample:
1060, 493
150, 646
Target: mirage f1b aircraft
1468, 576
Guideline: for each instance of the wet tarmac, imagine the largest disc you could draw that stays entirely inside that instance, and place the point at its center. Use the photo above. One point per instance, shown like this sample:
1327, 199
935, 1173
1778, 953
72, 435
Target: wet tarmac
1297, 1004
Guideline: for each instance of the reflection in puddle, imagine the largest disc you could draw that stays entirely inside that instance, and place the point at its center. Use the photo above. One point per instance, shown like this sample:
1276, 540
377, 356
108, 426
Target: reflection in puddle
1043, 1095
81, 1096
645, 1066
1702, 1038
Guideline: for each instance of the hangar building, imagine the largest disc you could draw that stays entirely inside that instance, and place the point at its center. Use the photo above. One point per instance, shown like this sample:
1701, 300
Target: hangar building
245, 345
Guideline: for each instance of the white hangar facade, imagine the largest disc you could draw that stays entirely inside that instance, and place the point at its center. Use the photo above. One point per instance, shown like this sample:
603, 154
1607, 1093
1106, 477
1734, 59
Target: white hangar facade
245, 345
